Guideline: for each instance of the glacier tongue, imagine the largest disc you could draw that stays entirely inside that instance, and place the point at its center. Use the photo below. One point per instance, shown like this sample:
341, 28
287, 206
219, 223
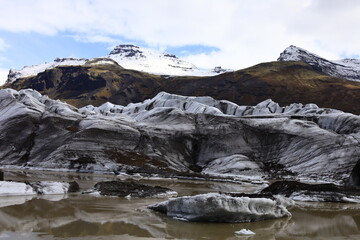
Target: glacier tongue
171, 133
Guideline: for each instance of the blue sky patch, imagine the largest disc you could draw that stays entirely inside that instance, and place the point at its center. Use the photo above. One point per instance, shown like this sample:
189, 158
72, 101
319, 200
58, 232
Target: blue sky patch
183, 51
26, 49
355, 56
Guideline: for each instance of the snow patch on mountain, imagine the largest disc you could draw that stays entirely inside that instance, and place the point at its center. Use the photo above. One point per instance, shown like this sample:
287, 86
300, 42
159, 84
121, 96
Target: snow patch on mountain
147, 60
33, 70
343, 68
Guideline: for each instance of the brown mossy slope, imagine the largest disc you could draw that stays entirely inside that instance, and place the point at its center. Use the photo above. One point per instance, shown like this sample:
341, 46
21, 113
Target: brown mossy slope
284, 82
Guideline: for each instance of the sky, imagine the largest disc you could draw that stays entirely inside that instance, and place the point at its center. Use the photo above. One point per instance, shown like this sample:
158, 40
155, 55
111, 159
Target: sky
229, 33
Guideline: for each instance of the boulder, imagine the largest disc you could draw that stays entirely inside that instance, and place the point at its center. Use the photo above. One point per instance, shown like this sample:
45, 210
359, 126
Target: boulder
131, 189
314, 192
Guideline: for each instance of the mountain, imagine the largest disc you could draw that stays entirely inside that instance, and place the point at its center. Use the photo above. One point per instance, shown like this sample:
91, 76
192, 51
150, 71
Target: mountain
284, 82
179, 134
129, 57
150, 61
28, 71
344, 68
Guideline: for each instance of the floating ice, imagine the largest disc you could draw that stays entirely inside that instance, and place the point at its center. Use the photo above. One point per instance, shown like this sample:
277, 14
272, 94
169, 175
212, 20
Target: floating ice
215, 207
244, 232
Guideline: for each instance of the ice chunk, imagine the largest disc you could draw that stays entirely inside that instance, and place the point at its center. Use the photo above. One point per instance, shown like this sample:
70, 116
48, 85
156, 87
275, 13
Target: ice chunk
215, 207
244, 232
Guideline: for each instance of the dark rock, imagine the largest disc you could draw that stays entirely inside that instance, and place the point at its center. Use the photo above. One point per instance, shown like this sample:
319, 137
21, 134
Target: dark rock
314, 192
195, 168
250, 195
131, 189
73, 187
1, 175
354, 179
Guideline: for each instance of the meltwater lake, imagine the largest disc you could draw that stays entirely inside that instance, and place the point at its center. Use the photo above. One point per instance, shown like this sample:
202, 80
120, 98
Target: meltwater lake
84, 216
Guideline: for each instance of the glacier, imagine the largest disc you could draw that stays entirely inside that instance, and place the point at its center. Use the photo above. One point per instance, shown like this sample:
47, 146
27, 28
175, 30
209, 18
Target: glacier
171, 134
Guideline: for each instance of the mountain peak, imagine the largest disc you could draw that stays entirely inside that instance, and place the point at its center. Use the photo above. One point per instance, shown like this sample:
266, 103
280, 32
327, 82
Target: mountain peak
133, 51
127, 50
294, 53
344, 68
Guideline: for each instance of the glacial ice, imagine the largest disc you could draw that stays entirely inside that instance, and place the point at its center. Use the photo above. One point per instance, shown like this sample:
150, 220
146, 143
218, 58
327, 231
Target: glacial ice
244, 232
15, 188
175, 132
215, 207
8, 188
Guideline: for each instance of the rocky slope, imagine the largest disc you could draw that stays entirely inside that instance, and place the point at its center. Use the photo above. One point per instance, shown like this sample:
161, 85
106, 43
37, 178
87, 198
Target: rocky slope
129, 57
172, 133
284, 82
344, 68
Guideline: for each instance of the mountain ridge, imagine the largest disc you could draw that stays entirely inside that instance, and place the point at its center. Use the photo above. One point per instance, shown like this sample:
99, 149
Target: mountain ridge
284, 82
128, 56
343, 68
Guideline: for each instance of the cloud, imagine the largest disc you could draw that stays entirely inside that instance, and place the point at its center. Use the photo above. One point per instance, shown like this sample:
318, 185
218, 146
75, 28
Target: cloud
3, 72
245, 32
3, 75
94, 39
3, 45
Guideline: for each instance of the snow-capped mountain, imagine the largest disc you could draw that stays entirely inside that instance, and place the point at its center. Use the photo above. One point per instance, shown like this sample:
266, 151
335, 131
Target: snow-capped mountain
344, 68
147, 60
35, 69
127, 56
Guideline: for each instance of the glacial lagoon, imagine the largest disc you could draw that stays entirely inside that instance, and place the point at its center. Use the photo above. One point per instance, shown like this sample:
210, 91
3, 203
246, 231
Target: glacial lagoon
84, 216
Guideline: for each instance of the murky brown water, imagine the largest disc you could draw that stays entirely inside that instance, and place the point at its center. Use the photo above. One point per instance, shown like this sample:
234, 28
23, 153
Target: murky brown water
89, 217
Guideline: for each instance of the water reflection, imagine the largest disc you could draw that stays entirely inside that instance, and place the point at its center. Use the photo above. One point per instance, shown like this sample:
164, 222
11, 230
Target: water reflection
81, 216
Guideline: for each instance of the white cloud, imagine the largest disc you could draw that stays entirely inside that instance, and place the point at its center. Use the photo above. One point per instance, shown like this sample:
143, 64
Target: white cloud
94, 39
3, 72
246, 31
3, 45
3, 75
